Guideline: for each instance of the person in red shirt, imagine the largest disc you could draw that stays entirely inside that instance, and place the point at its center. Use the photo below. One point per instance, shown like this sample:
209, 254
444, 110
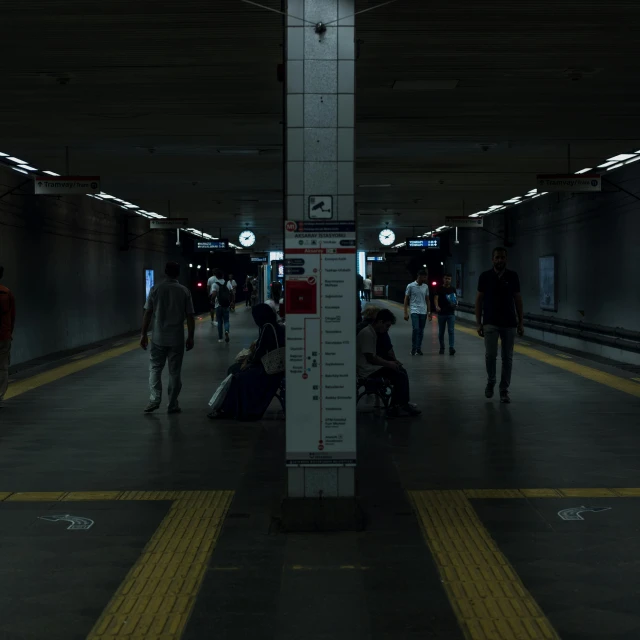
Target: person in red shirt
7, 324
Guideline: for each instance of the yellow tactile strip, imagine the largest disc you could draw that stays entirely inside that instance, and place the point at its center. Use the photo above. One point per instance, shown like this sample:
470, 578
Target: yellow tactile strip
155, 599
480, 494
487, 596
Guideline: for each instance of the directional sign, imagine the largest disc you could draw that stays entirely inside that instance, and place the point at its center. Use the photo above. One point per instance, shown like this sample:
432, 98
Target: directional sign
423, 243
212, 245
66, 185
168, 223
78, 523
574, 512
462, 221
569, 182
321, 207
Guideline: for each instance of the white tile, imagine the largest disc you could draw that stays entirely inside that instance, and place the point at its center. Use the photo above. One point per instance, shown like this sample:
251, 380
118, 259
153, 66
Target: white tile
346, 106
295, 178
320, 76
320, 178
320, 145
346, 43
321, 10
320, 110
346, 11
295, 76
346, 178
295, 110
295, 13
295, 43
295, 207
321, 47
346, 76
346, 144
295, 145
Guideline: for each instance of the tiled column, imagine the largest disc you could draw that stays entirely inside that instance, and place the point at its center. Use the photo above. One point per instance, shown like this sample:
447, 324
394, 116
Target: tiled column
320, 125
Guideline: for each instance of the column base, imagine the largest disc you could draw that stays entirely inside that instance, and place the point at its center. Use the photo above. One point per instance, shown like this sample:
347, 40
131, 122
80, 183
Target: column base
321, 515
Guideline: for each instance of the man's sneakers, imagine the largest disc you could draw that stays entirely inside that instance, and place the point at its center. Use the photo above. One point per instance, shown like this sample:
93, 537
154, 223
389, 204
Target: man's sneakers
226, 336
504, 396
452, 352
221, 340
488, 391
441, 352
172, 410
419, 352
151, 407
413, 352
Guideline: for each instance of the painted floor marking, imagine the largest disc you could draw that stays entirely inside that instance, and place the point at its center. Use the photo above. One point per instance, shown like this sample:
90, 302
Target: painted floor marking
157, 596
79, 362
488, 598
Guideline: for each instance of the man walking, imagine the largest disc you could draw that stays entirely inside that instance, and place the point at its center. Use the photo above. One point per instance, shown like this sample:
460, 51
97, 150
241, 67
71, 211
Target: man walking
367, 289
169, 304
499, 314
7, 325
233, 287
445, 302
416, 301
212, 305
221, 297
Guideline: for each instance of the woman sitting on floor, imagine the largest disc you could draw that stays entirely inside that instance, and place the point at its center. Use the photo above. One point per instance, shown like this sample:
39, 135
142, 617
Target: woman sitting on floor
252, 389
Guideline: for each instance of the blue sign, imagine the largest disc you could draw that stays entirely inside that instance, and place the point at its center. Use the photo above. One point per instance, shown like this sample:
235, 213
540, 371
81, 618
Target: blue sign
212, 245
375, 258
423, 243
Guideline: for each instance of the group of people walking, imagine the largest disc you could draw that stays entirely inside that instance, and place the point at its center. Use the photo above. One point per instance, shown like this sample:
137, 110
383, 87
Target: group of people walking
252, 383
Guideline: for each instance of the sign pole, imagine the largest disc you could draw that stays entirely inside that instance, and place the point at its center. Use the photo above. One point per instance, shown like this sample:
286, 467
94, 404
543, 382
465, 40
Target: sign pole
320, 267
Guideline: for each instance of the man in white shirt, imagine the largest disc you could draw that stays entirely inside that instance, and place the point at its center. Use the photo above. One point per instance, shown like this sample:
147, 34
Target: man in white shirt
367, 289
416, 301
233, 286
368, 364
222, 299
212, 305
169, 304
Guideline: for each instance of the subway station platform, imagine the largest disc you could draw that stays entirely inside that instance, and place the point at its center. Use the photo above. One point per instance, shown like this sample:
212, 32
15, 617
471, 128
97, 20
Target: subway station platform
483, 520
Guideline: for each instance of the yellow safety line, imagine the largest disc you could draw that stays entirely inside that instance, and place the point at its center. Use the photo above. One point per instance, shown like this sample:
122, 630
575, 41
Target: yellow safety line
625, 385
79, 363
487, 596
158, 594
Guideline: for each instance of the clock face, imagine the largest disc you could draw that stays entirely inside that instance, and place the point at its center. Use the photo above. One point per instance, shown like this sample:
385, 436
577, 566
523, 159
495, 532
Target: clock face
247, 238
387, 237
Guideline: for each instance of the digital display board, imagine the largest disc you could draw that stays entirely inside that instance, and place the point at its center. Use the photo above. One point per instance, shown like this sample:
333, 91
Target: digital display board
212, 245
423, 243
259, 259
149, 280
375, 258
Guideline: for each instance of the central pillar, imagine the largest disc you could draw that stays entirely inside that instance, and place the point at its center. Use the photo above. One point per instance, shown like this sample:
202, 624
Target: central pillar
320, 263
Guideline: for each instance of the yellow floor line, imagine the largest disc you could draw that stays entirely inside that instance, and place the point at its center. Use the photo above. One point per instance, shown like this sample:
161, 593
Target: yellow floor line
79, 363
487, 596
562, 361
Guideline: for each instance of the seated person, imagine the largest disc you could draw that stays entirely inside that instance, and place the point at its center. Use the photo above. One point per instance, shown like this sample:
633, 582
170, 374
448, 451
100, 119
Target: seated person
371, 365
252, 389
384, 346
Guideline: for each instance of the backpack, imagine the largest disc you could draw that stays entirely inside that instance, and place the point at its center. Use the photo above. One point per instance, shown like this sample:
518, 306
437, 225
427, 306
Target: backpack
224, 295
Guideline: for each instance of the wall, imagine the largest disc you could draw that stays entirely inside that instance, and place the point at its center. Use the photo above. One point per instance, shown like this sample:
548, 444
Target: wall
594, 238
62, 259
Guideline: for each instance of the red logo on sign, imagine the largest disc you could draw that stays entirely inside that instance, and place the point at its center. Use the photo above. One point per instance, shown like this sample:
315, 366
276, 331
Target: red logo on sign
291, 226
320, 447
311, 281
304, 376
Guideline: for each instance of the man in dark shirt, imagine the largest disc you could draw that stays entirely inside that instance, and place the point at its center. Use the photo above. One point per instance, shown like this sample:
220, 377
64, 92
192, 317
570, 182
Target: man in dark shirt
499, 315
445, 302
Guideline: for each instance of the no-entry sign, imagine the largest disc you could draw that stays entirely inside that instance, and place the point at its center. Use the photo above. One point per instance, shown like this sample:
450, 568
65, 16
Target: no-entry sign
66, 185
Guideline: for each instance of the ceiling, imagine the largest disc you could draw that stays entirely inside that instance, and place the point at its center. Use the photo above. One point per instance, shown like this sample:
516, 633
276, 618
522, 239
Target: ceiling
459, 103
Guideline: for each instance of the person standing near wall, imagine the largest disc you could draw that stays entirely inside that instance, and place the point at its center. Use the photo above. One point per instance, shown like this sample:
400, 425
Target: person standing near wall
7, 325
416, 301
169, 304
499, 314
445, 302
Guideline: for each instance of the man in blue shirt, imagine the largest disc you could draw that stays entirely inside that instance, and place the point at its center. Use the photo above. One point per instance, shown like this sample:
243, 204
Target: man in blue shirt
499, 314
416, 301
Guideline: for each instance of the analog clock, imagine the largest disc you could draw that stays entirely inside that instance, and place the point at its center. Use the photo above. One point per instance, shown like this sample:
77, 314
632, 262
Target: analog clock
247, 238
387, 237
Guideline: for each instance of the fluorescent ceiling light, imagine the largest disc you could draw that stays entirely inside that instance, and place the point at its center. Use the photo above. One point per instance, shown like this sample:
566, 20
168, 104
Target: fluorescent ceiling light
607, 164
373, 186
616, 166
4, 155
583, 171
131, 206
51, 173
20, 171
27, 167
622, 156
513, 200
475, 215
633, 160
106, 196
441, 228
16, 160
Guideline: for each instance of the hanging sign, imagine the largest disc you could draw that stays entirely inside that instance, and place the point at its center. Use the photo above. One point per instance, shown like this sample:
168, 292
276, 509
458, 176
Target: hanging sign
66, 185
168, 223
463, 221
212, 245
423, 243
570, 182
320, 306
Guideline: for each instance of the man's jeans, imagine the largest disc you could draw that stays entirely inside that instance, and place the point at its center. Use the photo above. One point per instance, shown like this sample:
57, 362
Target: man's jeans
418, 321
444, 321
222, 316
507, 337
5, 361
399, 381
159, 355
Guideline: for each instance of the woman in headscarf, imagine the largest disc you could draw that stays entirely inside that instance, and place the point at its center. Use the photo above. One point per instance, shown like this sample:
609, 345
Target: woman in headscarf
252, 389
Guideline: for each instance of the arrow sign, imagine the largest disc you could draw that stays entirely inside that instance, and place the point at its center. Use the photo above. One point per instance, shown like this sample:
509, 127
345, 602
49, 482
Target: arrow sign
77, 522
574, 512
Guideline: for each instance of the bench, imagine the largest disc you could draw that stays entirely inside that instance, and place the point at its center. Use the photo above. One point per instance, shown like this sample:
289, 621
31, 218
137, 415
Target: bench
377, 387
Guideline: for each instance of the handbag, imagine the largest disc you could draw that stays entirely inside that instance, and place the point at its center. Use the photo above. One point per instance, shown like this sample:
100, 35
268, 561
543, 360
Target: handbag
220, 393
273, 362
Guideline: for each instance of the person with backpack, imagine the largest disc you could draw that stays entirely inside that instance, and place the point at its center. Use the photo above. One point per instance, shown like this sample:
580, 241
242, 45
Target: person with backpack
221, 298
7, 325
